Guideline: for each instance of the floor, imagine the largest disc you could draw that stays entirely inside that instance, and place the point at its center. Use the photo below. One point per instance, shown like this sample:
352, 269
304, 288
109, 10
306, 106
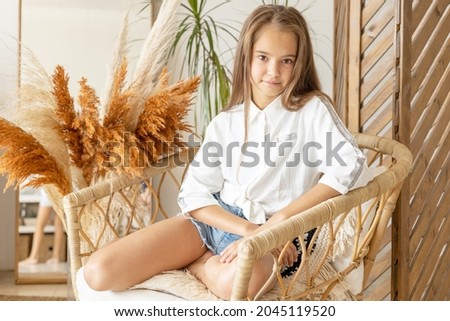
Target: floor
9, 287
57, 272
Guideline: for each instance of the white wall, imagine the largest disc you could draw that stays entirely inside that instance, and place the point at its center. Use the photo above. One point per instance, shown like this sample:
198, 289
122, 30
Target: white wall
9, 14
81, 36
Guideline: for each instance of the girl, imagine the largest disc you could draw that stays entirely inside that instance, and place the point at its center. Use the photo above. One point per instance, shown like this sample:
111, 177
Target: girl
277, 149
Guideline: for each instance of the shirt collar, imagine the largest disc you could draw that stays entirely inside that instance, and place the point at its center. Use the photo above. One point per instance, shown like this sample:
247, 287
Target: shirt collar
273, 112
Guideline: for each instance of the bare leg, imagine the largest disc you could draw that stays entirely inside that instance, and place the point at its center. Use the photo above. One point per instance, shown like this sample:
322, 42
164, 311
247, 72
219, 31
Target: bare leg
218, 277
170, 244
38, 236
58, 241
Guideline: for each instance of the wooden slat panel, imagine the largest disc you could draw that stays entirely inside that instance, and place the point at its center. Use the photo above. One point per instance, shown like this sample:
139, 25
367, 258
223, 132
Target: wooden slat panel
379, 47
382, 264
422, 176
434, 112
428, 54
419, 103
379, 123
386, 237
379, 22
425, 29
384, 66
370, 9
444, 290
408, 81
427, 105
438, 278
419, 12
430, 145
431, 216
428, 164
380, 289
424, 202
424, 199
383, 261
429, 219
422, 273
373, 104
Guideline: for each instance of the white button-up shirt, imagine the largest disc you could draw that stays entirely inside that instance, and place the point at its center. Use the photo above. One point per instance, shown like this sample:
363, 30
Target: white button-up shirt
286, 153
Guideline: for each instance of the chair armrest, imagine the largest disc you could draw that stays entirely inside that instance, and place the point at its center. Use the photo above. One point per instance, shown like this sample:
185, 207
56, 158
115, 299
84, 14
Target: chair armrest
267, 240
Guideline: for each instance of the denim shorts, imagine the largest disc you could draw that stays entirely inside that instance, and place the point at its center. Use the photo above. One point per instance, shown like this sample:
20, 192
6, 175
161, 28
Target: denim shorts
217, 240
214, 239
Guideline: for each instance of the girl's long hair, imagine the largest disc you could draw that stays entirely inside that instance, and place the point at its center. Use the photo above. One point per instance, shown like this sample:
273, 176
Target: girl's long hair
304, 82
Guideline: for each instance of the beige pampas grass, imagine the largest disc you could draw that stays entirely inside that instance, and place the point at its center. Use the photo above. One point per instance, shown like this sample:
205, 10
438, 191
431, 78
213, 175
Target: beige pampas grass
117, 67
35, 84
25, 158
41, 124
152, 59
37, 105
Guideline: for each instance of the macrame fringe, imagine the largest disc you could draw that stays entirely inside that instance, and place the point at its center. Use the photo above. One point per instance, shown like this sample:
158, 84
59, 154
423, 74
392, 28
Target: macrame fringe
183, 284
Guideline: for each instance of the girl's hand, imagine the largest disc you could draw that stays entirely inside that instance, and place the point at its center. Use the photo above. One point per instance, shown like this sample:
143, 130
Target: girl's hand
290, 255
230, 252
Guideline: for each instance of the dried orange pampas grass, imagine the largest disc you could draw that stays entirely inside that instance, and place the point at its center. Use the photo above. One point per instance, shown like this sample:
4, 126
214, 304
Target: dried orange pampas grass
163, 117
52, 142
66, 115
25, 158
119, 108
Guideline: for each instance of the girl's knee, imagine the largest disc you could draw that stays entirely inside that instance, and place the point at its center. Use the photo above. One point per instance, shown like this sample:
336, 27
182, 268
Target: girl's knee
96, 273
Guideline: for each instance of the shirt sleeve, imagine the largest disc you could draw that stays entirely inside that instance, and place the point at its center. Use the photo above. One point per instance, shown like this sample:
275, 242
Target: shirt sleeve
338, 157
204, 175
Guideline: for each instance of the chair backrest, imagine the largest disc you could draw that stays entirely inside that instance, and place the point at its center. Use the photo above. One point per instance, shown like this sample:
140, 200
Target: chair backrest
346, 239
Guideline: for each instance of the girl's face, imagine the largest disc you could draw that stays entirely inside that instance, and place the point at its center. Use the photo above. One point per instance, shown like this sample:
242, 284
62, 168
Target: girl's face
273, 57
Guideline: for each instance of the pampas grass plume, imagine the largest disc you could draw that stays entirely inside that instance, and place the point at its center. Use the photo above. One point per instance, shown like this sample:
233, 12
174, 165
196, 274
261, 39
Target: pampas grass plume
24, 157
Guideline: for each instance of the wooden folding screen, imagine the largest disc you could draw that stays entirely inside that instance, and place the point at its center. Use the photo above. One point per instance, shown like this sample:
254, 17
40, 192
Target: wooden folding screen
392, 79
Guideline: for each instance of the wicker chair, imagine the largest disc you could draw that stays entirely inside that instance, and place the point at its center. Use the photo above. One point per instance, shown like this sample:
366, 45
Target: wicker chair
335, 266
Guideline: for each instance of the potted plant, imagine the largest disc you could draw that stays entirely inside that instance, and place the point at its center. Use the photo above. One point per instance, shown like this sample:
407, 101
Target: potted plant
197, 40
